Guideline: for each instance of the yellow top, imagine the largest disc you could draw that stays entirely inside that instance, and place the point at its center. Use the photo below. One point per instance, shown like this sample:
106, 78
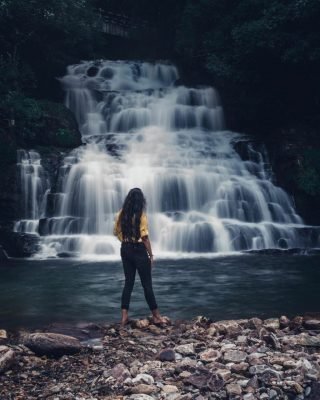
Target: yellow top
143, 227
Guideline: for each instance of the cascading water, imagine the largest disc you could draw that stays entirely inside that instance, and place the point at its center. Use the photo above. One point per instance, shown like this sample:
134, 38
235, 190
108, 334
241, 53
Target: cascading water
139, 130
35, 185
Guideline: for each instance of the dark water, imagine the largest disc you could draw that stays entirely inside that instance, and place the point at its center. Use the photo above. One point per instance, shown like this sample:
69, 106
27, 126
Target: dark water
36, 293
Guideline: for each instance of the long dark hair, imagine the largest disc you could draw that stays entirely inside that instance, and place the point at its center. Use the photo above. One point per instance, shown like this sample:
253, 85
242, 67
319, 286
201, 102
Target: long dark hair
130, 215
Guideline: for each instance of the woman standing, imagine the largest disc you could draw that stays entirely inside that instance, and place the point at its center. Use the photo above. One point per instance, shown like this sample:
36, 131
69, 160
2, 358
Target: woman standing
131, 228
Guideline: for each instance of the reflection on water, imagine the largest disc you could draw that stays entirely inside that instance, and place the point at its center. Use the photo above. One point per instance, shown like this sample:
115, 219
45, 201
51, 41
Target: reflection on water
36, 293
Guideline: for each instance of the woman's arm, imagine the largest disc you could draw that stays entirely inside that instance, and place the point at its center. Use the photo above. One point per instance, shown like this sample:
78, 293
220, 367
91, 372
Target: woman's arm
147, 243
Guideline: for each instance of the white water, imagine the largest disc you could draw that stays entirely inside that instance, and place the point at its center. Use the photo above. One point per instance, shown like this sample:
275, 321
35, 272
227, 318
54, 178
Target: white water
34, 187
141, 131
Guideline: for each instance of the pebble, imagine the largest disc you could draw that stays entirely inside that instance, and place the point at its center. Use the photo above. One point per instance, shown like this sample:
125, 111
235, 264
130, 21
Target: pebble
235, 356
143, 378
185, 349
184, 361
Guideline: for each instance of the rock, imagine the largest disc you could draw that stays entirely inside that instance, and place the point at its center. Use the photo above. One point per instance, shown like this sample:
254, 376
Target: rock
235, 356
120, 372
313, 324
272, 394
210, 355
3, 336
239, 368
142, 388
185, 349
271, 323
197, 380
273, 341
315, 391
269, 375
7, 358
3, 254
296, 323
253, 384
205, 380
141, 323
249, 396
170, 389
228, 327
242, 339
215, 383
141, 396
233, 389
258, 369
52, 344
166, 355
184, 374
254, 323
284, 322
290, 364
225, 374
18, 244
143, 378
303, 339
211, 330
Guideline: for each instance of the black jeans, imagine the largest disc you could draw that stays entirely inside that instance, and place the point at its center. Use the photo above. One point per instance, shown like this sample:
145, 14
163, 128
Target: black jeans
135, 257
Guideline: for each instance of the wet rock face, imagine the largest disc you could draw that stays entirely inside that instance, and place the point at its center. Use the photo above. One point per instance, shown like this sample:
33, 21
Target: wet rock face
18, 244
182, 361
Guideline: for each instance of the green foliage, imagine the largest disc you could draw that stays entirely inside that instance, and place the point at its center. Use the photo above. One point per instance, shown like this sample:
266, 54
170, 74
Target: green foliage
25, 112
65, 138
308, 178
265, 51
39, 38
8, 151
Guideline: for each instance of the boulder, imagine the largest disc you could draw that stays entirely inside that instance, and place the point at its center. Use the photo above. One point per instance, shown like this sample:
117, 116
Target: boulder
7, 357
52, 344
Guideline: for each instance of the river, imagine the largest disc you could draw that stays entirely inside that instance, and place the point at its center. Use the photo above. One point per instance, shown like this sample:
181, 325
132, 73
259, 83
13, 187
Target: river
36, 293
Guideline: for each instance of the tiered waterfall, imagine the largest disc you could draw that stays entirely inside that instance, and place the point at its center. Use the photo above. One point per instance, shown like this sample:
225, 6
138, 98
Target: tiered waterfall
140, 129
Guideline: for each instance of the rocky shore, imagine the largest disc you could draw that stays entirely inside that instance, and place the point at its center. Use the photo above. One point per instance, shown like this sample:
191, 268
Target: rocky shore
272, 359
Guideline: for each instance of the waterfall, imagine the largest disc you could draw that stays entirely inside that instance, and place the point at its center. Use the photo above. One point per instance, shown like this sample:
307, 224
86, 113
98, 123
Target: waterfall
34, 187
141, 130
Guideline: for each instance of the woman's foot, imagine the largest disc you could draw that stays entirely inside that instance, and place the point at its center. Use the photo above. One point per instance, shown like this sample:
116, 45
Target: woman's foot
157, 319
124, 317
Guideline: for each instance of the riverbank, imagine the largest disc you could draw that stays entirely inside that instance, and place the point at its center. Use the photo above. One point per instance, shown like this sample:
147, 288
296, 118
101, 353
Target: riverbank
276, 359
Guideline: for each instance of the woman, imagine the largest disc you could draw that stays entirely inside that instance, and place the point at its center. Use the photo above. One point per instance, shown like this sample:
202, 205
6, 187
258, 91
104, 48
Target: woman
131, 228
